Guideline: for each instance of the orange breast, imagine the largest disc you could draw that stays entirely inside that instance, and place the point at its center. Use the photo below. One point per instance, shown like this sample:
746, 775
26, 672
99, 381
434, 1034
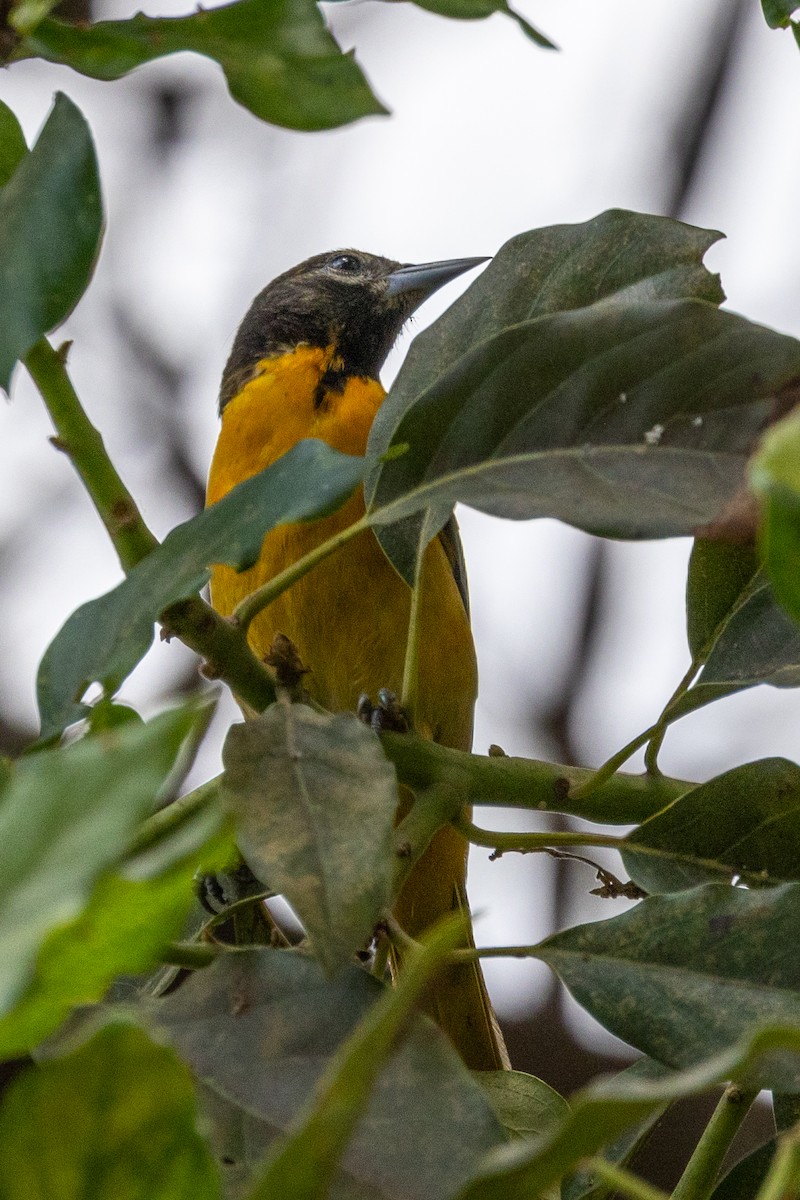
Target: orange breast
349, 616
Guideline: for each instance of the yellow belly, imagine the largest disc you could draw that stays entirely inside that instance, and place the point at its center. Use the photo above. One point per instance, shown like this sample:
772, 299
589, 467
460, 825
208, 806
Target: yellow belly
349, 617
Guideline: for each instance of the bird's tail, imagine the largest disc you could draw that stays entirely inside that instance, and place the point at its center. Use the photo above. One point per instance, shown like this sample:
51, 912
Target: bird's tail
457, 998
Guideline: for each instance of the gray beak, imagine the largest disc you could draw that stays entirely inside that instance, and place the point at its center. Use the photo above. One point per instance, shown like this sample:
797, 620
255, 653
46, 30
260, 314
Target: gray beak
426, 278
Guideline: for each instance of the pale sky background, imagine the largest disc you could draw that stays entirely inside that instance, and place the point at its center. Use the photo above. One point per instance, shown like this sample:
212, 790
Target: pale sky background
489, 136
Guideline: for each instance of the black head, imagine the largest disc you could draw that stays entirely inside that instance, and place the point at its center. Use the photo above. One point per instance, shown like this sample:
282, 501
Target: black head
353, 301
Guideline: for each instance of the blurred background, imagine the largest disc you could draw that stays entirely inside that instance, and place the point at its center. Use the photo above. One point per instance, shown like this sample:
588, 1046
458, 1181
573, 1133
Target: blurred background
678, 107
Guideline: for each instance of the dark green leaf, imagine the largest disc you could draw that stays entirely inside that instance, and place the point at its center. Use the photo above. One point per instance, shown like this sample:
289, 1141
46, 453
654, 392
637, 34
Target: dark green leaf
686, 975
583, 1185
719, 572
601, 1112
50, 224
66, 817
525, 1105
745, 822
745, 1178
12, 144
260, 1027
315, 800
632, 416
278, 57
470, 10
304, 1166
105, 639
779, 12
786, 1109
776, 478
115, 1120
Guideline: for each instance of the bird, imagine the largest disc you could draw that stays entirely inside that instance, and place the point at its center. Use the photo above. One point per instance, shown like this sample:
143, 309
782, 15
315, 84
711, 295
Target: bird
305, 363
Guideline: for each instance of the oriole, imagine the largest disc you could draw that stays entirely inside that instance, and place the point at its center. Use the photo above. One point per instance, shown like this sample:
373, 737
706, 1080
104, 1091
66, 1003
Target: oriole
305, 363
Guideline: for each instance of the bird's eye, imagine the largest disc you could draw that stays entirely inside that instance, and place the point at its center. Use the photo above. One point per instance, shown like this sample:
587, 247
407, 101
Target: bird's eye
346, 263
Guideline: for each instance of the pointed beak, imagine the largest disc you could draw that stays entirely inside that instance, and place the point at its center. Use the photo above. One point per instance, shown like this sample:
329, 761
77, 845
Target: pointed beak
426, 278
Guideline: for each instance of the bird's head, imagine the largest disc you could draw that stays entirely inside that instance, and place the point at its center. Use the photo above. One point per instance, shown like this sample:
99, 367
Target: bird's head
355, 302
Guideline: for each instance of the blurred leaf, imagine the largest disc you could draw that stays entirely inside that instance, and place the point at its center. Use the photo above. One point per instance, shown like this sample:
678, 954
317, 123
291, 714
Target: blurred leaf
746, 821
629, 411
13, 147
104, 640
745, 1178
779, 12
106, 714
122, 931
303, 1167
279, 59
65, 818
718, 574
583, 1185
315, 799
525, 1105
116, 1120
50, 225
25, 15
470, 10
686, 975
261, 1026
602, 1111
775, 477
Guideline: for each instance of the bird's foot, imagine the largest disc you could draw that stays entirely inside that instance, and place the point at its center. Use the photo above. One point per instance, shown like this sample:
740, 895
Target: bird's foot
387, 714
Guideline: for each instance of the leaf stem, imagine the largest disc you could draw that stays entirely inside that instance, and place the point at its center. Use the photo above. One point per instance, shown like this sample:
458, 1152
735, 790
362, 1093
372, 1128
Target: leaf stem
408, 699
612, 765
663, 723
697, 1181
168, 819
84, 446
262, 597
622, 1181
191, 955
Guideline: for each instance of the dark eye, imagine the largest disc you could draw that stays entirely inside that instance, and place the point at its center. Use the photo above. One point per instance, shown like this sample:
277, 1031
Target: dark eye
346, 263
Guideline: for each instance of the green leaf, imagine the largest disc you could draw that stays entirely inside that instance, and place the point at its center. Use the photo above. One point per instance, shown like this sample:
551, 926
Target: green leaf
525, 1105
260, 1027
315, 799
304, 1166
778, 12
471, 10
583, 1185
13, 147
786, 1109
685, 975
104, 640
50, 225
719, 572
116, 1120
66, 817
279, 59
615, 398
776, 479
745, 1178
745, 822
122, 931
601, 1112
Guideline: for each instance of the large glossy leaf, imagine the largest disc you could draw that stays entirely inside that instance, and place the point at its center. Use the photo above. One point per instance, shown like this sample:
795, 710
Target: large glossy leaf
315, 798
686, 975
115, 1120
12, 144
776, 478
104, 640
50, 225
745, 822
470, 10
525, 1105
260, 1027
629, 411
603, 1111
66, 817
279, 58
